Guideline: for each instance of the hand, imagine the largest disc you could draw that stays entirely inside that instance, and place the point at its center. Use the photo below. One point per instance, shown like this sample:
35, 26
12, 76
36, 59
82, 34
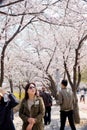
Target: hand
2, 91
31, 120
29, 127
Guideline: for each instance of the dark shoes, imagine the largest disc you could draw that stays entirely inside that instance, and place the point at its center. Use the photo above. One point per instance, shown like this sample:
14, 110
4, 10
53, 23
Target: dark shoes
47, 123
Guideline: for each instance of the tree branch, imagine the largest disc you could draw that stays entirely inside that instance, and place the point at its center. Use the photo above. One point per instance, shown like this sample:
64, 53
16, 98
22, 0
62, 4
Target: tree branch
79, 77
11, 3
19, 14
51, 58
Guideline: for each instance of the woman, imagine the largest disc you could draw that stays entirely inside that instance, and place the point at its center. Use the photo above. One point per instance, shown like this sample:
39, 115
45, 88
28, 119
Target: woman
32, 109
7, 102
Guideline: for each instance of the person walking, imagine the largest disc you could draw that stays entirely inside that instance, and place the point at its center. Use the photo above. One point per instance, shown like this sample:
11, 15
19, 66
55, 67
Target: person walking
82, 96
66, 101
32, 109
7, 102
48, 103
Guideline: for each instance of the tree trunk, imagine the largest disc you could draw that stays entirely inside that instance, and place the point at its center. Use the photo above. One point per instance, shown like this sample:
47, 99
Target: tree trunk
53, 87
2, 65
11, 85
76, 110
5, 47
19, 92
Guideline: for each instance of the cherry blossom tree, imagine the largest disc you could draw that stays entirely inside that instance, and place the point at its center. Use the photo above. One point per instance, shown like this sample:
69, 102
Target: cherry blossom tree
43, 24
13, 15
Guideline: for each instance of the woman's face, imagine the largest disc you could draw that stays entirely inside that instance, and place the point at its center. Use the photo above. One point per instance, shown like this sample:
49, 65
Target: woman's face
32, 89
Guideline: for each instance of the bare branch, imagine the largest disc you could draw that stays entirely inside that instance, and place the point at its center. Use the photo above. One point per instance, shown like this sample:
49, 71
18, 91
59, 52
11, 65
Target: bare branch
17, 31
79, 77
11, 3
51, 57
55, 23
68, 75
40, 59
67, 6
28, 24
33, 13
81, 42
56, 2
28, 13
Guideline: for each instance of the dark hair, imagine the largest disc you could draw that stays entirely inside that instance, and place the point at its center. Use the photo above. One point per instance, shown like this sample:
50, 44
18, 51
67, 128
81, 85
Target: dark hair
64, 82
26, 89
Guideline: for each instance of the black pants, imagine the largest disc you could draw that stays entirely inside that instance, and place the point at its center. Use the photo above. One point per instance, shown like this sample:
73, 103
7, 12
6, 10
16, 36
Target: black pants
47, 117
63, 116
82, 98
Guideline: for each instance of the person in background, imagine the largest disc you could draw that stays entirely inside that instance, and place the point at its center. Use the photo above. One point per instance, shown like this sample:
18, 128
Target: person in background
46, 96
82, 97
7, 102
38, 93
32, 109
66, 101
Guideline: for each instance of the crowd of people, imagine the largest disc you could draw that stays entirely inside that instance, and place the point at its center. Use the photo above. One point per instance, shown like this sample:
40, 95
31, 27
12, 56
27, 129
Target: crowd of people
35, 108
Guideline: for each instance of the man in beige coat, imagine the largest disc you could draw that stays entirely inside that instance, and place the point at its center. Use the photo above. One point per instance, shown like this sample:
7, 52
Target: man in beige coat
66, 102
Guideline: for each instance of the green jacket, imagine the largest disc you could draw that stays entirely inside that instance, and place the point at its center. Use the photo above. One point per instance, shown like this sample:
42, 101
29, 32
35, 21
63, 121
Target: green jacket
37, 112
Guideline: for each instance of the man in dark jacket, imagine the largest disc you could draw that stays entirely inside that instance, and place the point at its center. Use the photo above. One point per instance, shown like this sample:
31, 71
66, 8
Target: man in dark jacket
7, 102
48, 103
